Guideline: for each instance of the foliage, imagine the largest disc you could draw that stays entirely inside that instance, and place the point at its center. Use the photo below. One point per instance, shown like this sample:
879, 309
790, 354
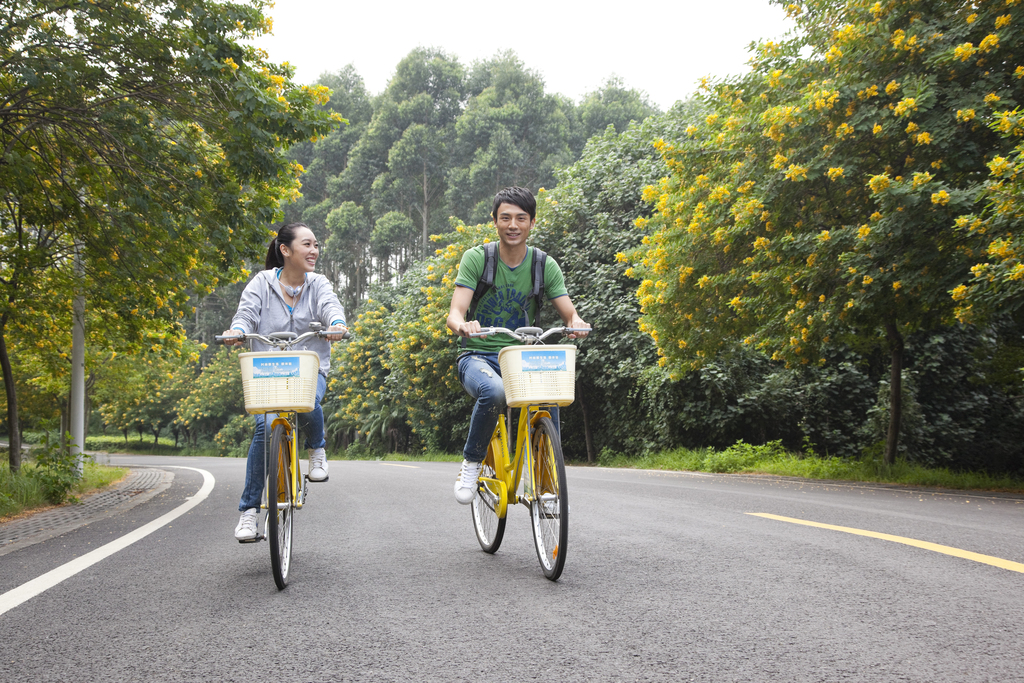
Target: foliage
56, 470
233, 439
817, 201
145, 144
214, 398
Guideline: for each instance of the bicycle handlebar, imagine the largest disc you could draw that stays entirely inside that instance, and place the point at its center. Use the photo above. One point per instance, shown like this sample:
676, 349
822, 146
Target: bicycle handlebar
279, 343
529, 335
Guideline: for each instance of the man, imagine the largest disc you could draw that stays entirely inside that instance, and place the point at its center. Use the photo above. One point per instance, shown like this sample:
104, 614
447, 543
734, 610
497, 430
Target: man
502, 305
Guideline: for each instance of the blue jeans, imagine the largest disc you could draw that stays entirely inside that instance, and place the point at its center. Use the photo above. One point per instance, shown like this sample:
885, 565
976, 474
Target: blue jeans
480, 376
311, 424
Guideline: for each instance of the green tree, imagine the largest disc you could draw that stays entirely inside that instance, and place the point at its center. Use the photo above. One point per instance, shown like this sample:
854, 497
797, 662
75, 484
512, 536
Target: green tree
511, 133
817, 200
147, 140
401, 162
613, 105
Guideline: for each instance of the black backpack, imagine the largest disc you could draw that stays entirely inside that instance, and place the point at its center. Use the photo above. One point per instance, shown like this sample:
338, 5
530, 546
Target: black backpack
486, 281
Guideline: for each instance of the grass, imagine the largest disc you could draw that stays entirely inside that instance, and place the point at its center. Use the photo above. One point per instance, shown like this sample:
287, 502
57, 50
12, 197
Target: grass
773, 459
23, 492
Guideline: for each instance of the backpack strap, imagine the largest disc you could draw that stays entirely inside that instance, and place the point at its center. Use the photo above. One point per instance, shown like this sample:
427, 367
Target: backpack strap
485, 282
540, 260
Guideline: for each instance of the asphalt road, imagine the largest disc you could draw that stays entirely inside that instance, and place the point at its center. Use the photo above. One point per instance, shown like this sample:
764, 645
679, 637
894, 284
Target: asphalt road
668, 578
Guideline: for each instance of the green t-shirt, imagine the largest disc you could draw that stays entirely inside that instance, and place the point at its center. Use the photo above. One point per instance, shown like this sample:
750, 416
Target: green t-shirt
502, 304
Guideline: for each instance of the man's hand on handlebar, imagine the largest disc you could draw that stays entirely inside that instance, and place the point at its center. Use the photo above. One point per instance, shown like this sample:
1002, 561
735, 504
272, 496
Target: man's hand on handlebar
469, 328
578, 322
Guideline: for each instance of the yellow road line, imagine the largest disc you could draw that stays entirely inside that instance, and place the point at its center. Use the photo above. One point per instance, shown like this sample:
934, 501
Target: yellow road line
392, 464
944, 549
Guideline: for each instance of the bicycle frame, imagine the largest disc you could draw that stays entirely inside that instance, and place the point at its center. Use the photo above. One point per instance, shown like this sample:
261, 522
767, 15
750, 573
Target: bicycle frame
290, 423
508, 472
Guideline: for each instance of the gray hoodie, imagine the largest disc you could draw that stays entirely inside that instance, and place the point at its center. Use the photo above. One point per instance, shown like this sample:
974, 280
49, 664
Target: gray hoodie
263, 310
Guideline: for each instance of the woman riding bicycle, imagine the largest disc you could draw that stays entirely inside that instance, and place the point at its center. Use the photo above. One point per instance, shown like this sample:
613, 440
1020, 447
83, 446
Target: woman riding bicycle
287, 297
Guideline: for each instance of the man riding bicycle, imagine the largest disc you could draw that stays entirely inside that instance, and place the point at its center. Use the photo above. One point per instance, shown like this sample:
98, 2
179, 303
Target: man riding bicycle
507, 302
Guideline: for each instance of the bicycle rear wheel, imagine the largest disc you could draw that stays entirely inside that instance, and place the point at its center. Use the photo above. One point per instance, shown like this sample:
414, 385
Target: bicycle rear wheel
549, 504
489, 526
280, 510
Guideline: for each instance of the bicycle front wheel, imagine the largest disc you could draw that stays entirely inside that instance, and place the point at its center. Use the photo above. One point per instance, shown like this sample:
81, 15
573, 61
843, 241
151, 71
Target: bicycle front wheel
549, 504
279, 508
488, 523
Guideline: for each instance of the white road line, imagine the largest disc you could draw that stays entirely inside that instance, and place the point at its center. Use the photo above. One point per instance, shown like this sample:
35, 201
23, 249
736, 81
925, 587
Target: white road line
391, 464
29, 590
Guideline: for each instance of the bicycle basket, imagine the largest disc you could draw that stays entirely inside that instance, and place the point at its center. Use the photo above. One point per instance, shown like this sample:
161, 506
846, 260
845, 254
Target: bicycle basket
538, 374
279, 381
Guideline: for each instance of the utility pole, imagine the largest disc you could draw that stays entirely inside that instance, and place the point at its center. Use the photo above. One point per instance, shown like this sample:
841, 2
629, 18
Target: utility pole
78, 367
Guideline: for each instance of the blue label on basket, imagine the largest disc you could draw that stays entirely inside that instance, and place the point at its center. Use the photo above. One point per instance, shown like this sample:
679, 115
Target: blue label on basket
266, 368
543, 361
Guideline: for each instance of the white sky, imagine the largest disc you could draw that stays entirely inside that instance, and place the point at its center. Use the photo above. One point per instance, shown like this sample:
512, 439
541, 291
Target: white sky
662, 47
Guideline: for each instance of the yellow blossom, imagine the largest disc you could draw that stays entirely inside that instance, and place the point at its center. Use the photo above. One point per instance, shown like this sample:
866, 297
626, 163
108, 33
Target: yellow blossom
905, 106
911, 127
868, 280
991, 98
999, 166
824, 236
989, 42
959, 293
964, 114
897, 285
877, 129
964, 52
863, 232
1002, 21
941, 197
835, 172
924, 138
795, 172
879, 183
892, 87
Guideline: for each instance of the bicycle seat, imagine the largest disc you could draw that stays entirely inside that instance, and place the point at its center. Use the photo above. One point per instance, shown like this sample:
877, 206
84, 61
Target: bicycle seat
282, 336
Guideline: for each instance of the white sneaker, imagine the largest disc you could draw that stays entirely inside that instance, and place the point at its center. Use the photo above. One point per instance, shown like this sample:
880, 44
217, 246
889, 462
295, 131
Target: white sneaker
246, 529
317, 464
465, 485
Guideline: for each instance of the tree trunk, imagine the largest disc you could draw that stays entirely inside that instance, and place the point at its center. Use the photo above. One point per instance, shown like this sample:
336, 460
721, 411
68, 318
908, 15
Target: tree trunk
13, 426
895, 392
425, 213
586, 426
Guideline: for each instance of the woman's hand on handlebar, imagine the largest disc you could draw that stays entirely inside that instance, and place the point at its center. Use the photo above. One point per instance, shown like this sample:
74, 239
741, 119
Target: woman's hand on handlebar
335, 333
234, 337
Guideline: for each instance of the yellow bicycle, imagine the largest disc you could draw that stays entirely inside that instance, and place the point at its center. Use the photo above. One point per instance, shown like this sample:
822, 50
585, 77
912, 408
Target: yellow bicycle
532, 470
280, 384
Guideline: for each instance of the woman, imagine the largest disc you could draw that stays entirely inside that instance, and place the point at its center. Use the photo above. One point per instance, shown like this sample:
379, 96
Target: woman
287, 297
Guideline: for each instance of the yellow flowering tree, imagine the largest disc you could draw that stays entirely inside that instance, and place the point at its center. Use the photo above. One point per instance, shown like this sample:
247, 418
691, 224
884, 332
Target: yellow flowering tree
817, 201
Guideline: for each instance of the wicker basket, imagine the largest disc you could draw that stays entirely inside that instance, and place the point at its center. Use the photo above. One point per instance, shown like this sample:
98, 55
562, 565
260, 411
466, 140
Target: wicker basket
279, 381
538, 374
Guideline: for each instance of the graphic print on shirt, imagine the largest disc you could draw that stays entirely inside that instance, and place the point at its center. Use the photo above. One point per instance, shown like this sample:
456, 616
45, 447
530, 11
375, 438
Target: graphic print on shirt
502, 307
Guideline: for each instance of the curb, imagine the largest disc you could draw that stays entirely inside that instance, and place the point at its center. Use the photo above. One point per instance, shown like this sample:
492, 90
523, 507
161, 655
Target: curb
142, 484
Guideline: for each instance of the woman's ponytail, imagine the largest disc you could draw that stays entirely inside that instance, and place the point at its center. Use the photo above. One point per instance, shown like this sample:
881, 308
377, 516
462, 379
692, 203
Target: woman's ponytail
285, 236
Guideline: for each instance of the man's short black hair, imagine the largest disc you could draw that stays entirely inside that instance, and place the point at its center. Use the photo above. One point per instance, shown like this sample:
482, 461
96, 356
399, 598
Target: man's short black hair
519, 196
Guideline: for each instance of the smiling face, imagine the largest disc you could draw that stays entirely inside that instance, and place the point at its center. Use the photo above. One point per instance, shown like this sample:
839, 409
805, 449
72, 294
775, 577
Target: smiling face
302, 253
513, 224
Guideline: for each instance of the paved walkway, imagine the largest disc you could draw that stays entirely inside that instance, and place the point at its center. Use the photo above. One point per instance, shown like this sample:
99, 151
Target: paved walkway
139, 486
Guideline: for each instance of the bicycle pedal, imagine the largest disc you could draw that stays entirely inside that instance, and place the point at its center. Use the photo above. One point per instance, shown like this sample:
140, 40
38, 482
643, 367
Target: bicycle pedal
257, 539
